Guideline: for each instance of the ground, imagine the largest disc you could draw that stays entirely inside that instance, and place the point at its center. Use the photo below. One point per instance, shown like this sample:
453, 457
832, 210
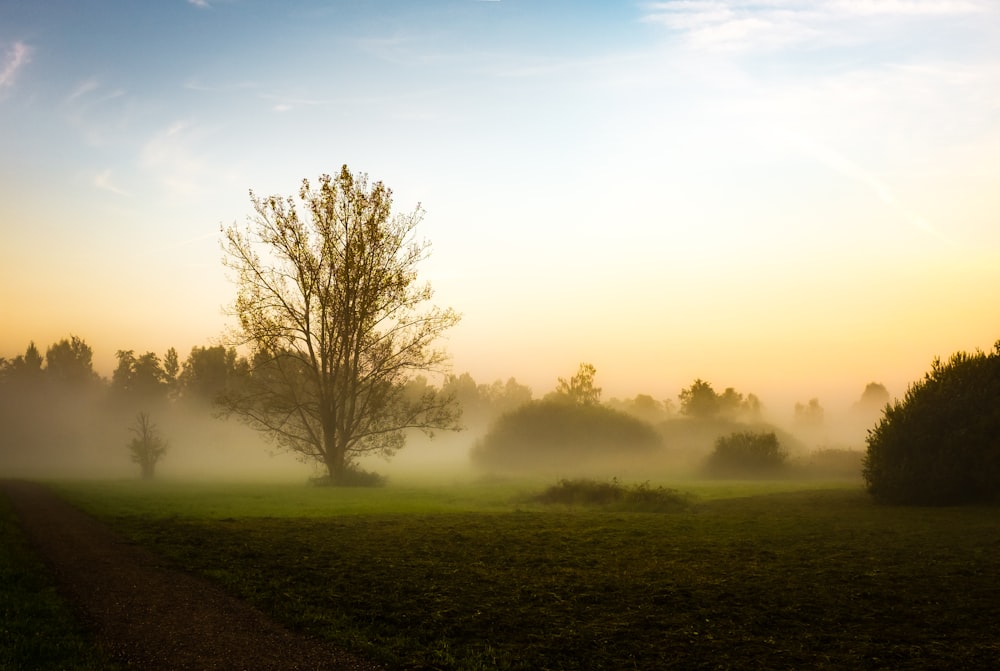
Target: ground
148, 616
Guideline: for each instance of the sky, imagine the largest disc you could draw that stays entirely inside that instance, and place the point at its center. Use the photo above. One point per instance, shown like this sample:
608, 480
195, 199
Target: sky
790, 198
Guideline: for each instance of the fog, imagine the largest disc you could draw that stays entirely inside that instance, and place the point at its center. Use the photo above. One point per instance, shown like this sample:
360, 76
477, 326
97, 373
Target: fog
82, 431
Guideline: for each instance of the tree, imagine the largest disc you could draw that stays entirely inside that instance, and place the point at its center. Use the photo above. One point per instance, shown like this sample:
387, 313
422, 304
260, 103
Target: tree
873, 399
579, 389
809, 414
328, 302
940, 444
70, 362
146, 446
699, 400
140, 379
208, 373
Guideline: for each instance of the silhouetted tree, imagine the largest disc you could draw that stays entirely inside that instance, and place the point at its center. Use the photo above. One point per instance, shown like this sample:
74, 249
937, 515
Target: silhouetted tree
645, 407
25, 369
146, 446
941, 444
328, 301
873, 400
171, 369
579, 389
209, 372
809, 414
139, 380
699, 400
70, 362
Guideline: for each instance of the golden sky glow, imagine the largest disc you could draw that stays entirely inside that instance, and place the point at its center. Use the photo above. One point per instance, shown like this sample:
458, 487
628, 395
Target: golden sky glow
792, 198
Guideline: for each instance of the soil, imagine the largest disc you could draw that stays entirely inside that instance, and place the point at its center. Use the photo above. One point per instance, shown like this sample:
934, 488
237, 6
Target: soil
148, 616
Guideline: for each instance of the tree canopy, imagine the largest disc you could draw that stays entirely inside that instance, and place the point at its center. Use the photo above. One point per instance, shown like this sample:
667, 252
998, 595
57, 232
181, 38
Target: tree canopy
329, 303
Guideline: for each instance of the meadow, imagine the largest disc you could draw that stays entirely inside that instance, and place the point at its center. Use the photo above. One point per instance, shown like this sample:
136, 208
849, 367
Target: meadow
749, 575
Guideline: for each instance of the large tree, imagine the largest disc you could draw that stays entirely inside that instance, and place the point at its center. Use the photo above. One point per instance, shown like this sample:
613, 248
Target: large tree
329, 303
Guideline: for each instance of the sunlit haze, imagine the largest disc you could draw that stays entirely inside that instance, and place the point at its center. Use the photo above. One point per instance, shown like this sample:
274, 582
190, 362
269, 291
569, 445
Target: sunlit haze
790, 198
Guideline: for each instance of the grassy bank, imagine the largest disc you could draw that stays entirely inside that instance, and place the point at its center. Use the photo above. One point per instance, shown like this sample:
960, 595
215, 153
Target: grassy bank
474, 578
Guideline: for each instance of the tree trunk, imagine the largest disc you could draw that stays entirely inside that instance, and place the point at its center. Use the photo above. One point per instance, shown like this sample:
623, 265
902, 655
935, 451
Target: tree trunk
336, 462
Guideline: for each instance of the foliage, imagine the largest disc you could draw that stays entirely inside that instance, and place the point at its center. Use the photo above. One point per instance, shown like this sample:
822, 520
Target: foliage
327, 299
809, 414
645, 407
139, 380
210, 372
613, 494
579, 389
147, 446
746, 454
553, 434
701, 401
485, 402
70, 362
812, 579
940, 444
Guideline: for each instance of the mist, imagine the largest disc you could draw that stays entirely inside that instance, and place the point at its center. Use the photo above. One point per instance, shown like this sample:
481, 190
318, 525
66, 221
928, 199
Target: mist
64, 421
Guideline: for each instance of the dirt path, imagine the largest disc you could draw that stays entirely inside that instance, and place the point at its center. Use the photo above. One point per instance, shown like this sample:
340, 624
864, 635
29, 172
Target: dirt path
151, 617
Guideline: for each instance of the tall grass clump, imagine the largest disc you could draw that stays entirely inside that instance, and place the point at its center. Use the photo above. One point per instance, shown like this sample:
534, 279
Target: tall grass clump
613, 495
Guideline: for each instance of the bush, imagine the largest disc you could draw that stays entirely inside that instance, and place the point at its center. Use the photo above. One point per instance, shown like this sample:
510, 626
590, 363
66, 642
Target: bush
587, 492
554, 435
351, 477
746, 454
940, 445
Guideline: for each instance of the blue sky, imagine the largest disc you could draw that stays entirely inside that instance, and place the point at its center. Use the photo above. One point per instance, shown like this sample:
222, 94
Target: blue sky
794, 198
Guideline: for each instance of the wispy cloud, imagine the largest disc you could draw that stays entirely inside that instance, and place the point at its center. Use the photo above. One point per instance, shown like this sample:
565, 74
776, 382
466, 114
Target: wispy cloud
739, 25
287, 104
176, 158
200, 4
851, 170
97, 111
103, 181
17, 56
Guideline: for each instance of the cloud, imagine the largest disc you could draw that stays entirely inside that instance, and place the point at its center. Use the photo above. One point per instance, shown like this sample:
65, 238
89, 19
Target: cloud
286, 104
102, 180
16, 58
200, 4
851, 170
740, 25
179, 158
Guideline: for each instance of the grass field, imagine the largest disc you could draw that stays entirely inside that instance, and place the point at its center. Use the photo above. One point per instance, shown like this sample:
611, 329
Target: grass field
755, 575
37, 629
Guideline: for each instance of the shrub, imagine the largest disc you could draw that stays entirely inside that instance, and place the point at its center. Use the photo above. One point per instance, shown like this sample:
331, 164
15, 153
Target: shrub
351, 477
746, 454
562, 436
940, 445
614, 495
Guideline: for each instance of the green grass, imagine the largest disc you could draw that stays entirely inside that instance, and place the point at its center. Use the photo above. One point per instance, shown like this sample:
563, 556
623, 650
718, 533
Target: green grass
473, 578
38, 630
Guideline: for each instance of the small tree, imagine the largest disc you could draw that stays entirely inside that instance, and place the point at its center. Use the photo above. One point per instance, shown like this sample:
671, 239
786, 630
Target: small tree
146, 446
941, 444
